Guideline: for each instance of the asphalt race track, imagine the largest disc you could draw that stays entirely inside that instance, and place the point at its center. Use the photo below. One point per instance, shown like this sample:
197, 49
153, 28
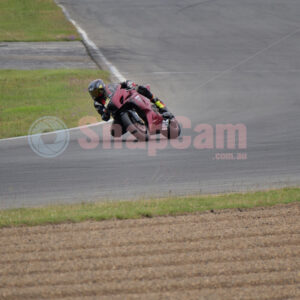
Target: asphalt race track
213, 63
39, 55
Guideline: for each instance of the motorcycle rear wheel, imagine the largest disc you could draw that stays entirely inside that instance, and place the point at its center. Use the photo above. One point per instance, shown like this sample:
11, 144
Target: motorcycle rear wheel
173, 131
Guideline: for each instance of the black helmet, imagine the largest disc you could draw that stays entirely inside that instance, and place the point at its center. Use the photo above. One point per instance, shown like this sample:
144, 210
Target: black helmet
97, 89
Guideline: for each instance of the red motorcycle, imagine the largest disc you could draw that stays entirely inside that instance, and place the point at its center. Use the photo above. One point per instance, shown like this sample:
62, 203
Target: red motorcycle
139, 116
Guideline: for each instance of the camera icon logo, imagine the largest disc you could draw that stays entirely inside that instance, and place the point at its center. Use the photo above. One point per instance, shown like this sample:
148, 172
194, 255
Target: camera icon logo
48, 137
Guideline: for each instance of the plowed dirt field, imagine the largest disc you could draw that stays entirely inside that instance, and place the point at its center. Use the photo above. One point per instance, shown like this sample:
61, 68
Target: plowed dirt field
231, 254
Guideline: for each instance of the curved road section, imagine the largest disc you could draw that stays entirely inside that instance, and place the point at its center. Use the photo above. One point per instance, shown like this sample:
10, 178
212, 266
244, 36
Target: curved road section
231, 70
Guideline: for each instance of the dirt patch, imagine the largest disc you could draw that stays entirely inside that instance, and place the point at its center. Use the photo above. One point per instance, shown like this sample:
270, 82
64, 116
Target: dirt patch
232, 254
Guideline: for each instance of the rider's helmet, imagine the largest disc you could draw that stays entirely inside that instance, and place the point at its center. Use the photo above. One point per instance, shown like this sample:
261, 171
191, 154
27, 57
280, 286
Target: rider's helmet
97, 90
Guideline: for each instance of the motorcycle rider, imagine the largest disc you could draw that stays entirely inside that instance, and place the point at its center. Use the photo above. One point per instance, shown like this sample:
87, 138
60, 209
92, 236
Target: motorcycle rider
102, 94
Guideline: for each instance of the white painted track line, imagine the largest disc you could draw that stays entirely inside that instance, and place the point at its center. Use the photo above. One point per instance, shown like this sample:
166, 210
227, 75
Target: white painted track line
56, 131
97, 54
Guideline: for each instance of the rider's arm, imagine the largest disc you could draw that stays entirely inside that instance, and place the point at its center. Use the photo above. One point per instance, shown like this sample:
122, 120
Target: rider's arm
100, 107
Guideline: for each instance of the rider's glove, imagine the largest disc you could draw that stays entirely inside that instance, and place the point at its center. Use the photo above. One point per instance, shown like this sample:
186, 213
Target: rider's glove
130, 84
123, 85
105, 116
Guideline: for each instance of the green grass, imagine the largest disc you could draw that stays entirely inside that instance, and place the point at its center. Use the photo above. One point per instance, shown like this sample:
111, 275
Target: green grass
34, 20
146, 208
26, 96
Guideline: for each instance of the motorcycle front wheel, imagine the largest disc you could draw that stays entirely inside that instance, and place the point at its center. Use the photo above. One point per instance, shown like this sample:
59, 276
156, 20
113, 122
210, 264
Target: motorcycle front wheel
134, 124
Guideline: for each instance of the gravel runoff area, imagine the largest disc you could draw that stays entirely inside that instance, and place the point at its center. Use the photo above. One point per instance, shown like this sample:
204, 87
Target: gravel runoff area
44, 55
231, 254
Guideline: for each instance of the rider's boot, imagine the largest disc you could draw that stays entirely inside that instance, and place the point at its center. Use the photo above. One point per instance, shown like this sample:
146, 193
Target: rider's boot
162, 109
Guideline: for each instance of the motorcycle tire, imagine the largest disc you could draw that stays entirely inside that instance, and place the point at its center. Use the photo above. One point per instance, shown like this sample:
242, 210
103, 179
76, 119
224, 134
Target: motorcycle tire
140, 131
174, 129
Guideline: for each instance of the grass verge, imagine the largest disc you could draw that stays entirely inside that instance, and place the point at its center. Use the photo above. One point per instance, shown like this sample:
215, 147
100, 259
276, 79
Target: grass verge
34, 20
146, 208
26, 96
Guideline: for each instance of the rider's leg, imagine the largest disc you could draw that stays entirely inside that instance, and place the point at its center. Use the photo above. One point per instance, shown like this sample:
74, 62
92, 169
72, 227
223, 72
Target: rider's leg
159, 104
